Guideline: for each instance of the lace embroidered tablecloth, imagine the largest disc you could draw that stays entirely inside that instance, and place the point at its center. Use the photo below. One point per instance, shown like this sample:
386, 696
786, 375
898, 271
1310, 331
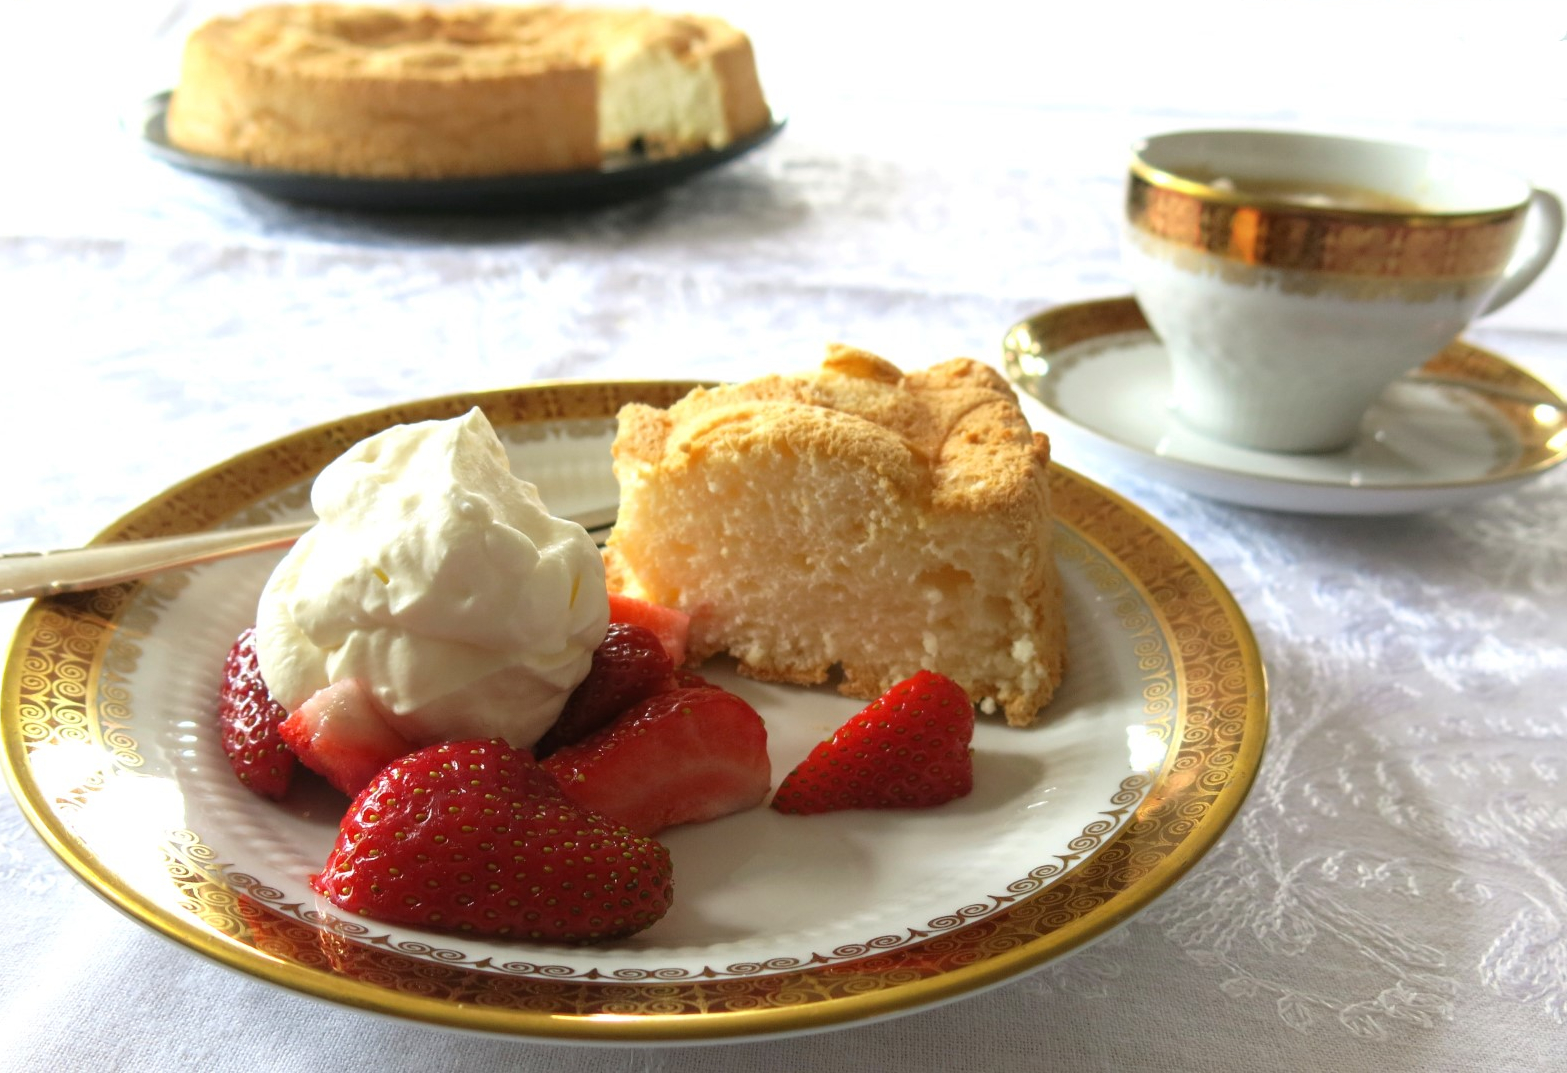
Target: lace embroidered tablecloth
1394, 894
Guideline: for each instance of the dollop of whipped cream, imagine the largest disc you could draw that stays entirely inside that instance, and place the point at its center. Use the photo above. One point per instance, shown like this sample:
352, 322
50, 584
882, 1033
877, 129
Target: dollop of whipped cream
439, 580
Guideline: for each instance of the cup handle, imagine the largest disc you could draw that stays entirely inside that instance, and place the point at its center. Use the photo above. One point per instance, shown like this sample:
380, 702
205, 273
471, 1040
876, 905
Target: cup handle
1545, 208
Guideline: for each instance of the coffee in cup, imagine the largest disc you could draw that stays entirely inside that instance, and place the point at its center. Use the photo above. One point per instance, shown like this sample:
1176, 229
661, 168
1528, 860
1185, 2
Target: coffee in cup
1292, 277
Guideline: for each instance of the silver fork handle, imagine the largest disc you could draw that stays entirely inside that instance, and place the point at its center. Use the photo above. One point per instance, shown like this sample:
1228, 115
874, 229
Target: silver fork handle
48, 573
24, 575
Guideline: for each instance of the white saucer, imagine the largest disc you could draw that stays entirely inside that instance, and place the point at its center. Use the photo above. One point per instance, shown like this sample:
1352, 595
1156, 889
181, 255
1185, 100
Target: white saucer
1466, 425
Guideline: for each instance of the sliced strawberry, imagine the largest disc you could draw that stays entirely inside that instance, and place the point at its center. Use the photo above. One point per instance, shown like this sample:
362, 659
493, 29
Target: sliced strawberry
474, 836
248, 721
672, 627
679, 757
629, 665
908, 748
341, 732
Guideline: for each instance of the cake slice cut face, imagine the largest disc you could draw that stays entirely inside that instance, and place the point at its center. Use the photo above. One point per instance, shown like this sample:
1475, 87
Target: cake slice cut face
854, 519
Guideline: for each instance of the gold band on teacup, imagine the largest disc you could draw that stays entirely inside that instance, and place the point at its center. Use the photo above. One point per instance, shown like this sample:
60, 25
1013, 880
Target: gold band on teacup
1344, 242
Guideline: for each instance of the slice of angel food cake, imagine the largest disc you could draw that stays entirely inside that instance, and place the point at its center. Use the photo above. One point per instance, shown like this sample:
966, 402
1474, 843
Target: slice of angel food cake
856, 519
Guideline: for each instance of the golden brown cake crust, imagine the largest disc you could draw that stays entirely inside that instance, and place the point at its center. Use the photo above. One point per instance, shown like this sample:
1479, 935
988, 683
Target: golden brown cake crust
933, 460
959, 420
745, 106
427, 92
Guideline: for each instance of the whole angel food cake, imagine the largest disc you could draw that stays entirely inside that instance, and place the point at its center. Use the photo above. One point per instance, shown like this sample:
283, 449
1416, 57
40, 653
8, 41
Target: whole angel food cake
857, 517
436, 92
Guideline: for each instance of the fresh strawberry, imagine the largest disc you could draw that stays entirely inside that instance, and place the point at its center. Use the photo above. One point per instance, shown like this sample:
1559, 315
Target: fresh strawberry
685, 679
248, 721
342, 732
908, 748
629, 665
475, 836
678, 757
672, 627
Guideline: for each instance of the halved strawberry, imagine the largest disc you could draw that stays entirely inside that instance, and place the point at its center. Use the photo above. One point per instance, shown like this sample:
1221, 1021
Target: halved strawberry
672, 627
474, 836
683, 756
341, 732
248, 721
909, 748
629, 665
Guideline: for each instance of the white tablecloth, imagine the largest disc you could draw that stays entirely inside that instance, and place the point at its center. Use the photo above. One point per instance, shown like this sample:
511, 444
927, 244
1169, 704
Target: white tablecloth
1394, 895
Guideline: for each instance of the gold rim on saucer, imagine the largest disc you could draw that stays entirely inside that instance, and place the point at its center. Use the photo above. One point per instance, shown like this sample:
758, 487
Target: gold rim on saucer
82, 741
1531, 414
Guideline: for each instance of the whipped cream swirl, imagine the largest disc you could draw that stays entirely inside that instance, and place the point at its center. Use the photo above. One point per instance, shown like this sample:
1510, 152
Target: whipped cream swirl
439, 580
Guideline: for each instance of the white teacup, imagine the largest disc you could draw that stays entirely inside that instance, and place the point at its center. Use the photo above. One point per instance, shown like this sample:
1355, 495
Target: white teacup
1292, 277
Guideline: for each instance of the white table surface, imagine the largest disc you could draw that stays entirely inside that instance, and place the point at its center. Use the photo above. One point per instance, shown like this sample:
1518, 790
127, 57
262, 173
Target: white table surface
1394, 895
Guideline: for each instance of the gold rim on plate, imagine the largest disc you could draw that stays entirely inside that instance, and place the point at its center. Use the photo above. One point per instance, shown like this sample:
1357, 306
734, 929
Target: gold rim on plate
62, 694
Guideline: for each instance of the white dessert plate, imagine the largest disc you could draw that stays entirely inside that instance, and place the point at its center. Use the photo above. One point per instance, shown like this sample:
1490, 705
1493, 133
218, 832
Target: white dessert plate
781, 924
1466, 425
623, 177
